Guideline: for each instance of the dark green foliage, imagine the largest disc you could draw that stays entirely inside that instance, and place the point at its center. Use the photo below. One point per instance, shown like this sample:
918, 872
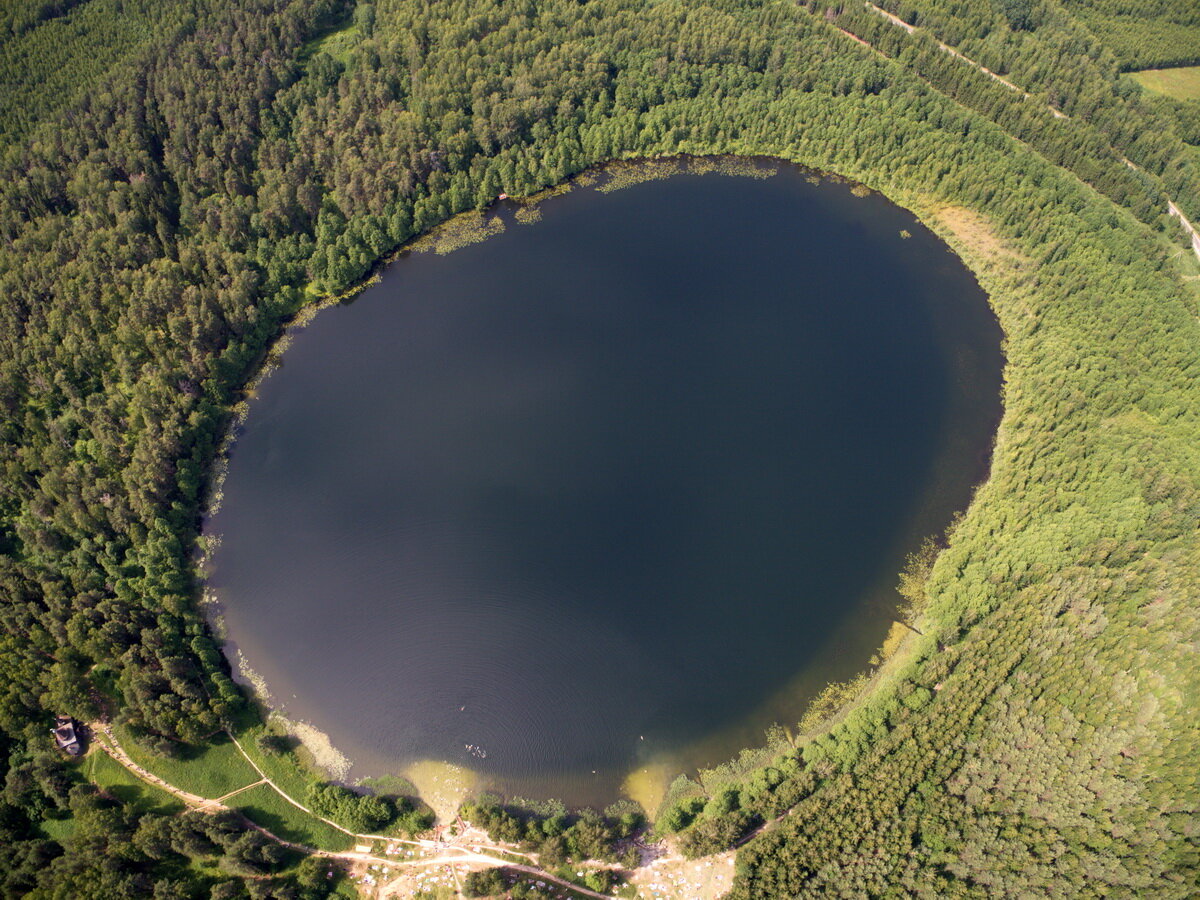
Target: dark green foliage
24, 853
1063, 66
715, 835
1144, 34
112, 853
680, 816
276, 744
503, 882
1019, 13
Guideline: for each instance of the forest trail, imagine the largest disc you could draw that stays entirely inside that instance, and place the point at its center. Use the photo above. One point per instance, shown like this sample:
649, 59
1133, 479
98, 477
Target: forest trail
110, 745
1187, 226
912, 29
1174, 210
452, 853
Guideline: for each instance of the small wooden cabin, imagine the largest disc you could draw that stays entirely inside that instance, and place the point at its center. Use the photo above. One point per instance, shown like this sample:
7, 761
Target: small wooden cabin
64, 735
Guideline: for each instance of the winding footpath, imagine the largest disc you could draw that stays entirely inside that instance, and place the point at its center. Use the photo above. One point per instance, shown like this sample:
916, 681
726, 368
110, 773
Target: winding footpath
1187, 226
109, 744
450, 854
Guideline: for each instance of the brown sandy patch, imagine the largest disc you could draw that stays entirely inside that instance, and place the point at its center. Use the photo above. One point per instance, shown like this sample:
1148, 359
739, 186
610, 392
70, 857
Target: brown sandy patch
979, 236
672, 877
442, 785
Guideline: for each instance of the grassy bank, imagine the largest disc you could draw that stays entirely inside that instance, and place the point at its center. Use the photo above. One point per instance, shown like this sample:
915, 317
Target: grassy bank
117, 781
210, 770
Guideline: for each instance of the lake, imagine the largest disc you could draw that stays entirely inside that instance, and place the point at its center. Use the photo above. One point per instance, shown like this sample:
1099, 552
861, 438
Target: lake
618, 488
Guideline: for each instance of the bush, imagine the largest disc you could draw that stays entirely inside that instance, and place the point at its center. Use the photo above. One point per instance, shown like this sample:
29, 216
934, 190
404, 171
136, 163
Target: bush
488, 883
680, 816
357, 812
717, 835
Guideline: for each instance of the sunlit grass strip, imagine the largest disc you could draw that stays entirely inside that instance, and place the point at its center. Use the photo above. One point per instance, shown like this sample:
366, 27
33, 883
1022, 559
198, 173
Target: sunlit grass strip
285, 769
118, 782
264, 806
625, 175
1181, 84
528, 215
731, 165
60, 830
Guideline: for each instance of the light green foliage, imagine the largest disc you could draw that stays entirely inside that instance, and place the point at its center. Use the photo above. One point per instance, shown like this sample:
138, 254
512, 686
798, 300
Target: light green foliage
361, 813
339, 44
461, 231
832, 698
58, 830
556, 837
1180, 84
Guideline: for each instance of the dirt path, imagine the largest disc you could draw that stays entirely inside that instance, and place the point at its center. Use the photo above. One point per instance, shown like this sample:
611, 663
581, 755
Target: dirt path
240, 790
1187, 226
912, 29
300, 806
1054, 110
424, 844
452, 853
109, 744
393, 887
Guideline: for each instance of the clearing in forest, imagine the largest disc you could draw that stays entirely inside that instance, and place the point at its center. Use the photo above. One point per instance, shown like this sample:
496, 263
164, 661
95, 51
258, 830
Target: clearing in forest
1181, 84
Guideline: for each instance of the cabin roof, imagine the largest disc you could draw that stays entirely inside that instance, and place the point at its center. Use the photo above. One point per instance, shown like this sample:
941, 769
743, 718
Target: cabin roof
64, 735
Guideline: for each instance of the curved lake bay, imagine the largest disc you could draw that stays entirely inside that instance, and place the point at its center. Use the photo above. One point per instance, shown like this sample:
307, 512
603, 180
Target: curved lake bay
621, 487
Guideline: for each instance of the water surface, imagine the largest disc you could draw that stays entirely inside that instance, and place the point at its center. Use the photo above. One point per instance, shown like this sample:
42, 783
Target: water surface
626, 484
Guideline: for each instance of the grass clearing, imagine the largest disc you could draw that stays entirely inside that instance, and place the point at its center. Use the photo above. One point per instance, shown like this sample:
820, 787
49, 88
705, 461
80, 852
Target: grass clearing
59, 830
211, 771
340, 45
338, 41
118, 782
1180, 84
263, 806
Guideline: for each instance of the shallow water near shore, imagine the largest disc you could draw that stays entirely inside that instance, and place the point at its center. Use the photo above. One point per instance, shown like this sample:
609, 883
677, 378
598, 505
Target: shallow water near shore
617, 489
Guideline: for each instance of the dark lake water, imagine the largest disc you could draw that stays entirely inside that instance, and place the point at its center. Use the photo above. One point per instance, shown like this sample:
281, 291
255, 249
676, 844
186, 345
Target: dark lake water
627, 484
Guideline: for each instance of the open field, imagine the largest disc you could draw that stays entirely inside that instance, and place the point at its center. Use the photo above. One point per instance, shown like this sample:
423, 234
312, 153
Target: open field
1180, 84
212, 772
117, 781
59, 830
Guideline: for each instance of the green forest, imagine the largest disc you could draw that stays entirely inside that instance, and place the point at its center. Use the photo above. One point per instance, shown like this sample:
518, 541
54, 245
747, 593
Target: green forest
178, 179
